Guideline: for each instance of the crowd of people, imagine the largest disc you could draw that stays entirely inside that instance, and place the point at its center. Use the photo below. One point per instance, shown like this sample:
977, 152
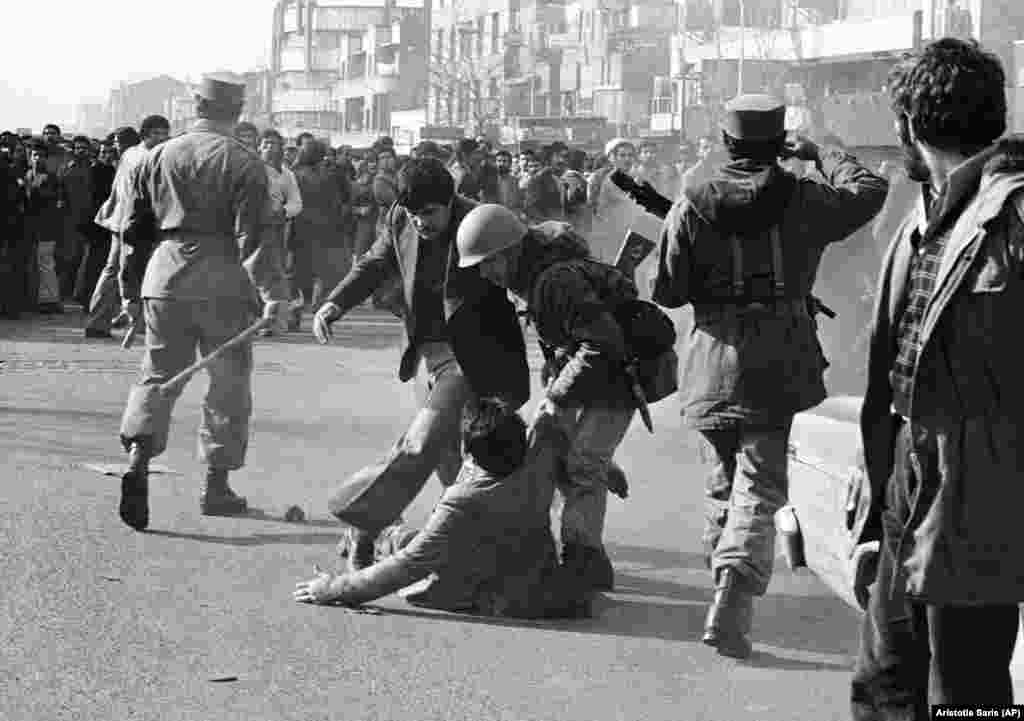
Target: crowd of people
59, 238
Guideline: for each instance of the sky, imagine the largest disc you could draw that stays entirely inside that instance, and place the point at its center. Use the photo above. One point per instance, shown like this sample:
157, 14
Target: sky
85, 49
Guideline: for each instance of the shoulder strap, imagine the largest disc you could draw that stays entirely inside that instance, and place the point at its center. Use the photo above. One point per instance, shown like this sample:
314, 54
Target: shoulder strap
778, 267
739, 283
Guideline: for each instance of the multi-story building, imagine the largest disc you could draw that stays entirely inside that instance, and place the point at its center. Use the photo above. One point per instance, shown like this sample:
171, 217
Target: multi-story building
830, 58
335, 66
131, 102
91, 119
541, 70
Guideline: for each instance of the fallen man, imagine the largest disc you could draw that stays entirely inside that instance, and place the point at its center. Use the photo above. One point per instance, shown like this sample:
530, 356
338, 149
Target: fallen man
487, 546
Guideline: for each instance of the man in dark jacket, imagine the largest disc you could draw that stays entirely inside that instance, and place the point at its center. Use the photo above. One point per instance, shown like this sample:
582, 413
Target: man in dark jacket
487, 545
417, 249
570, 299
944, 408
743, 248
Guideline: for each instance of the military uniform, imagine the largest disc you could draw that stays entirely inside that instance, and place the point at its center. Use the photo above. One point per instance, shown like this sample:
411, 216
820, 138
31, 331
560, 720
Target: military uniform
191, 191
743, 248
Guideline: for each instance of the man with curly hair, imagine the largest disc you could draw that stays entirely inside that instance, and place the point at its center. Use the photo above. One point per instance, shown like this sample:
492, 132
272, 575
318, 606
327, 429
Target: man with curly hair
944, 407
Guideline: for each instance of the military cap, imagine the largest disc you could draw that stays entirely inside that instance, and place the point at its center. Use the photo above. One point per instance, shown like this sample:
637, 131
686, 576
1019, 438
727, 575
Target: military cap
222, 88
755, 117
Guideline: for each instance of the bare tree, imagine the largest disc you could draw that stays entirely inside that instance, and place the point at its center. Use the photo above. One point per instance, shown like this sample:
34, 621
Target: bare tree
463, 90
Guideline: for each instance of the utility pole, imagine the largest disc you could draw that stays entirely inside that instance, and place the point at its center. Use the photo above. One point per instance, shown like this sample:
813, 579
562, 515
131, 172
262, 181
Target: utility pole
681, 25
743, 38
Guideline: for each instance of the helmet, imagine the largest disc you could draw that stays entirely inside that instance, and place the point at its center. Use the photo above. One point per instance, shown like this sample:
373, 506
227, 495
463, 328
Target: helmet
486, 230
612, 145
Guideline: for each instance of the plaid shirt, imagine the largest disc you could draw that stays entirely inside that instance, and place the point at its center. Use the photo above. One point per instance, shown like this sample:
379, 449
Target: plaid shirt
924, 269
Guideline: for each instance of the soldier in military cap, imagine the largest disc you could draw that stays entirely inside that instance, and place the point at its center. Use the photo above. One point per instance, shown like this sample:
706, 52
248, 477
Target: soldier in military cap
743, 248
191, 194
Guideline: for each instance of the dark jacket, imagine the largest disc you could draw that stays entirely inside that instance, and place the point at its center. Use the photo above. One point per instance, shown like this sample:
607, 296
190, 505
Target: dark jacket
964, 547
570, 298
745, 362
494, 361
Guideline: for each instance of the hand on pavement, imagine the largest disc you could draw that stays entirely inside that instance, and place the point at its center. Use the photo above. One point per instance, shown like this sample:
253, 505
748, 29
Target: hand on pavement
328, 313
316, 590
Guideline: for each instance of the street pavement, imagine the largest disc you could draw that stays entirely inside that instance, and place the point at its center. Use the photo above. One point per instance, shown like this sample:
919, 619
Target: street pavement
99, 622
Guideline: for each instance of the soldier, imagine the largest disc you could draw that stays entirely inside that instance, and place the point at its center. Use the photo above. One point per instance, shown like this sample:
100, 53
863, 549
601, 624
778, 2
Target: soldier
743, 248
570, 299
192, 192
464, 330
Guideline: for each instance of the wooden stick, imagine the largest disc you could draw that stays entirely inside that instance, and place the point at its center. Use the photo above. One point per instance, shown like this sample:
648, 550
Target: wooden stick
183, 377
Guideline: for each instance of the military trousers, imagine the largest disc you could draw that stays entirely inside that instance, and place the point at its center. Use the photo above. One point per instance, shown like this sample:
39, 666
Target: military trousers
595, 433
175, 329
375, 496
747, 483
913, 654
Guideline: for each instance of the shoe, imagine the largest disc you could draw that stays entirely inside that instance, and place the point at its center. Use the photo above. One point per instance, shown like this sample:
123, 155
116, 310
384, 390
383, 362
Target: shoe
442, 596
730, 617
218, 499
97, 333
589, 564
134, 507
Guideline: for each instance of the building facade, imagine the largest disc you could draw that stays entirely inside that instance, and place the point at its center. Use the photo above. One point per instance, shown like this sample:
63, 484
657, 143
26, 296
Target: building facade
131, 102
534, 71
830, 59
341, 68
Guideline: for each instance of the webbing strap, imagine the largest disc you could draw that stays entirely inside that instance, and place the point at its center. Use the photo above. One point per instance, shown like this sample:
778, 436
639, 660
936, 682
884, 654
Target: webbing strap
739, 284
778, 273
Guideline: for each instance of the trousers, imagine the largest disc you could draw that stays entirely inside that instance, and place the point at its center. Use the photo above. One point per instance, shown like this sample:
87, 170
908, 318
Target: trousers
747, 484
912, 654
49, 285
375, 496
174, 330
595, 433
106, 296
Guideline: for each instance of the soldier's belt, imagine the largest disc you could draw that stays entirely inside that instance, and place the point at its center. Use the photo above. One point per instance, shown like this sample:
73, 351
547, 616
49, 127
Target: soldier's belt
796, 306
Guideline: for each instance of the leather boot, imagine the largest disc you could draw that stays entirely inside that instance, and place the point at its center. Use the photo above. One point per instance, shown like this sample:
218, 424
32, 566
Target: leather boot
591, 565
134, 507
218, 499
730, 616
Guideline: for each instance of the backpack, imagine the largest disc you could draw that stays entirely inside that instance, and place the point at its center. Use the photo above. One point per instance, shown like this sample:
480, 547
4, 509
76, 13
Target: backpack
649, 333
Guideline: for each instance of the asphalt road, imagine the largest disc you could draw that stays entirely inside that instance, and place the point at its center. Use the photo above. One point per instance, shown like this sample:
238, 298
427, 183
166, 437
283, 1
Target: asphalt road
99, 622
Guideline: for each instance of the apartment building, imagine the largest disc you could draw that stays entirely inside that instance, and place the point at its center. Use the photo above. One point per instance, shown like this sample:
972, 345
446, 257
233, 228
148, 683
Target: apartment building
829, 58
341, 68
533, 71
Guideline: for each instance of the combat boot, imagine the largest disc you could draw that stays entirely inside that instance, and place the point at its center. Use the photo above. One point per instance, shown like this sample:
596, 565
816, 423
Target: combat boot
590, 565
730, 617
218, 499
134, 507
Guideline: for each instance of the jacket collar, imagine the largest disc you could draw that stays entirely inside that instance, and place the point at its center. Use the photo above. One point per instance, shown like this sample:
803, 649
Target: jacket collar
205, 125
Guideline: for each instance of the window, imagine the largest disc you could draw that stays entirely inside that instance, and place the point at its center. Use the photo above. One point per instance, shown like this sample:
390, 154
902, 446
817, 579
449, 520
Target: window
495, 33
492, 91
480, 37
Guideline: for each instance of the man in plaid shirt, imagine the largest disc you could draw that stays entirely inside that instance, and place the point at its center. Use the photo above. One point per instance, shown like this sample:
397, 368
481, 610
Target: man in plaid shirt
944, 409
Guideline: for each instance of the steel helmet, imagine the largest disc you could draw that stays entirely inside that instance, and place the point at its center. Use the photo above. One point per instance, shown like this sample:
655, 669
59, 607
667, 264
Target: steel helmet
487, 229
612, 145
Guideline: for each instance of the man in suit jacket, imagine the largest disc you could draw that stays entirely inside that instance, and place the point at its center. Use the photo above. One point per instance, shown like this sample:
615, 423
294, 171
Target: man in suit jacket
444, 309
